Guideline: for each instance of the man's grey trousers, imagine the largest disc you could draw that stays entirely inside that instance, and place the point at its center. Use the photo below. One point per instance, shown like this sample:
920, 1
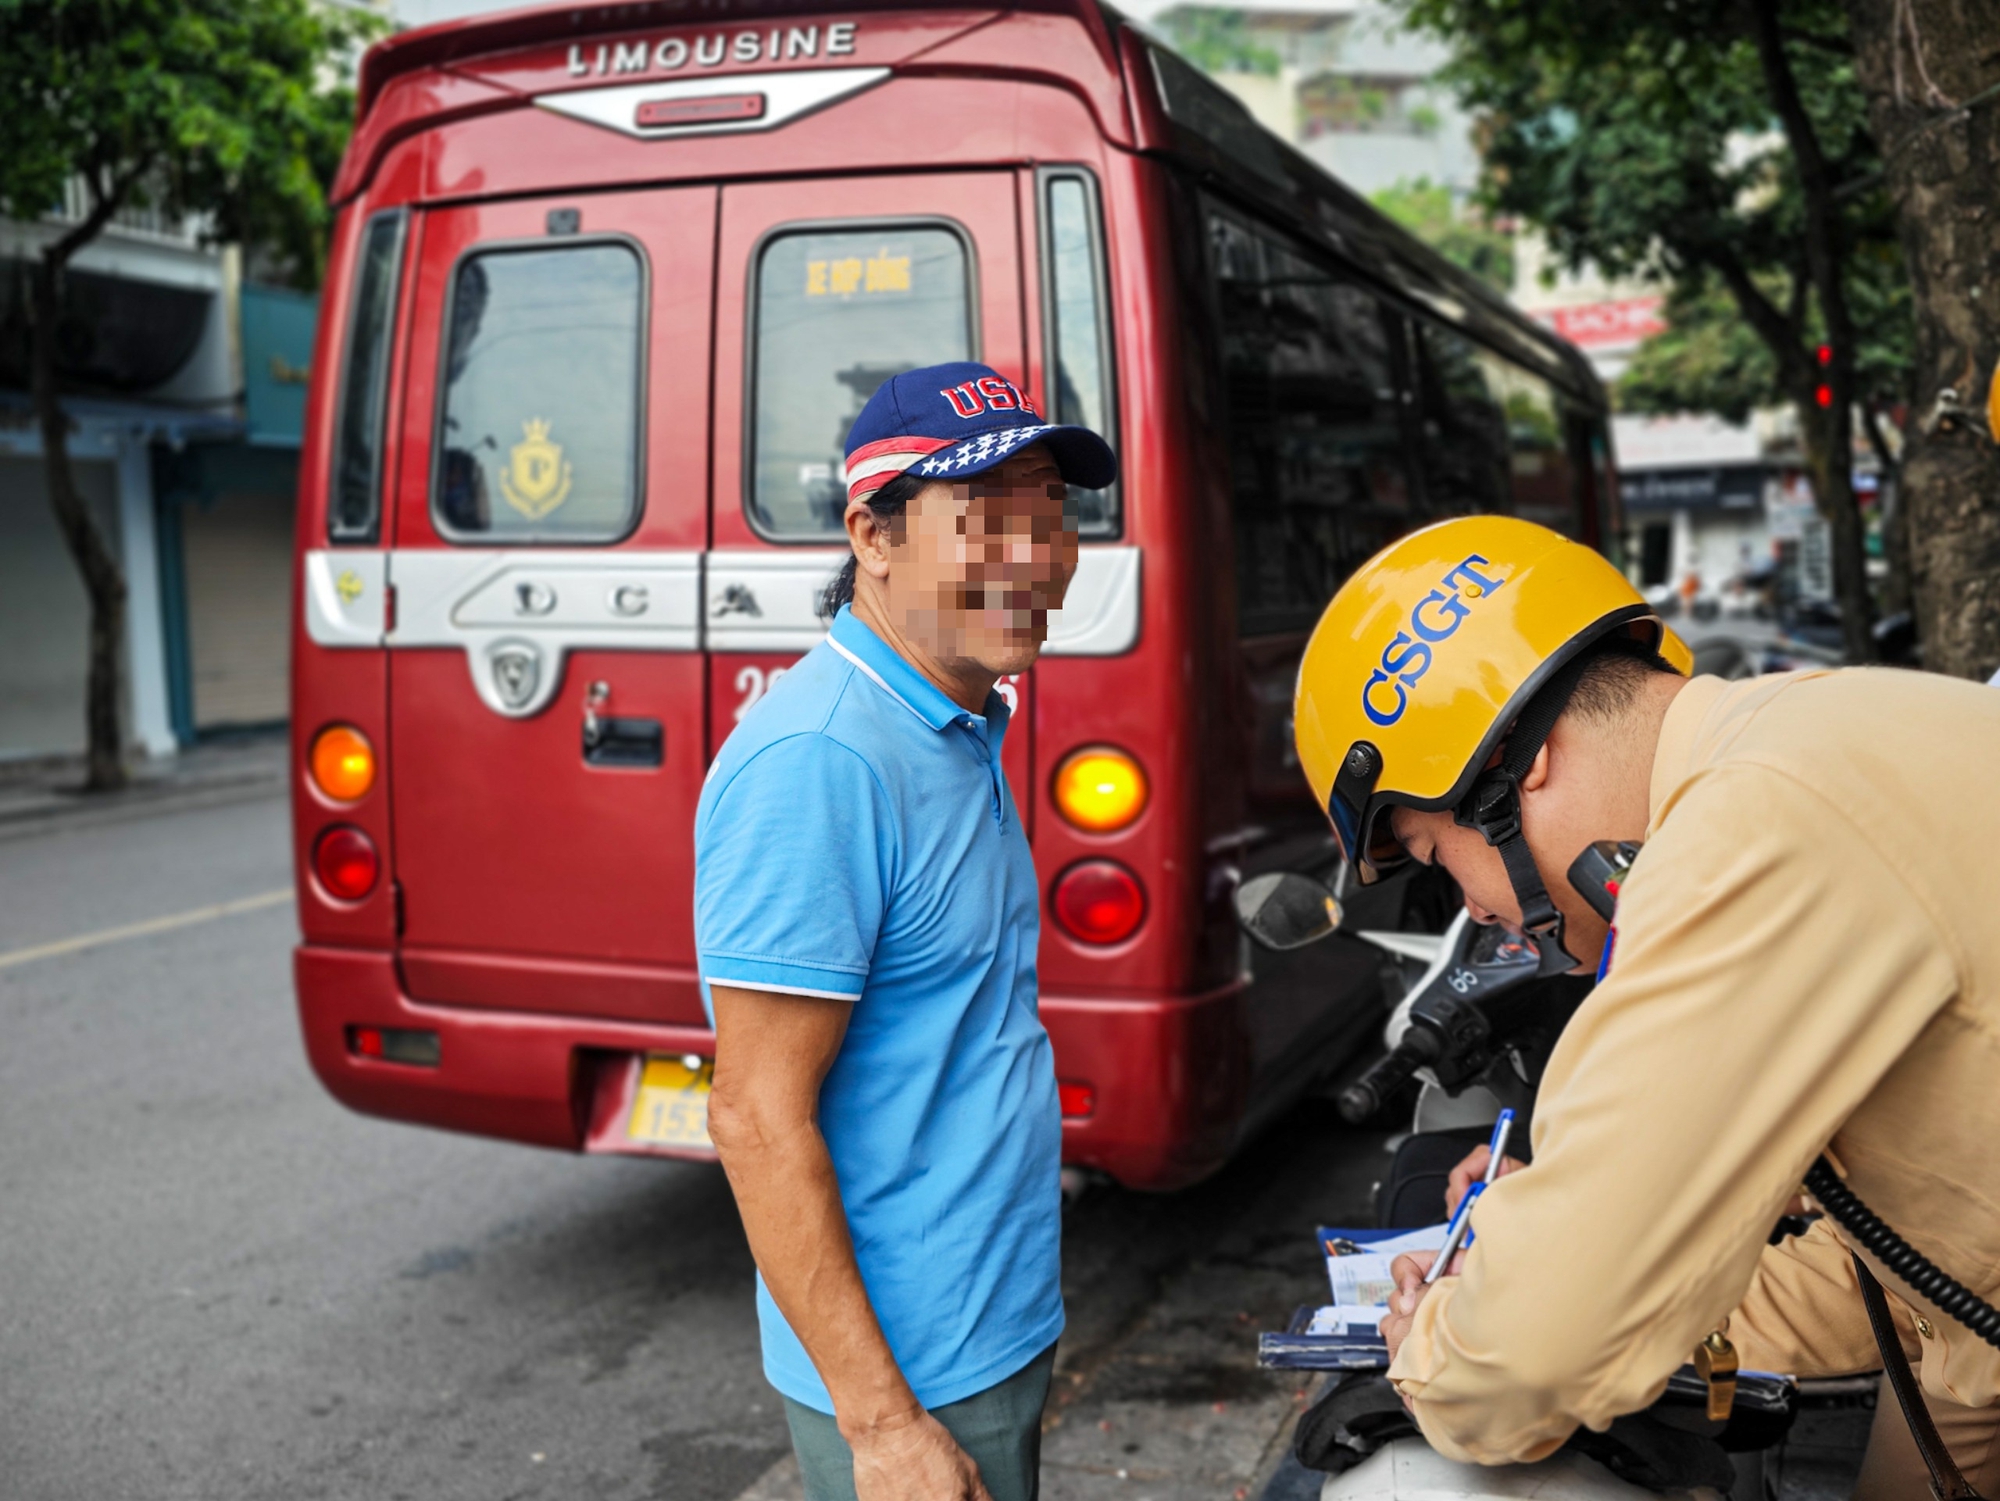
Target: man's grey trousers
1001, 1428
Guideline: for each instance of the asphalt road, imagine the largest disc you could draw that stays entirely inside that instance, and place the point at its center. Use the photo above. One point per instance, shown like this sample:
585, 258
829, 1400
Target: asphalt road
216, 1283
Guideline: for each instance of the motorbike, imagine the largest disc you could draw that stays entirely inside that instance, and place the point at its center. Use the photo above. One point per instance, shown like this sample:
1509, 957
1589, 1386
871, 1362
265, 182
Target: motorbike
1472, 1027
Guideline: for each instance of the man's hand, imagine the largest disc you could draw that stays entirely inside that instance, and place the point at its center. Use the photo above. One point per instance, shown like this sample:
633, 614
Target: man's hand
914, 1458
1470, 1171
1408, 1270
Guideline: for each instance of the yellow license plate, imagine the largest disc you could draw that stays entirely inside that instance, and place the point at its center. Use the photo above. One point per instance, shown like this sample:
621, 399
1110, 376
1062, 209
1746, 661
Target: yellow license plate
670, 1106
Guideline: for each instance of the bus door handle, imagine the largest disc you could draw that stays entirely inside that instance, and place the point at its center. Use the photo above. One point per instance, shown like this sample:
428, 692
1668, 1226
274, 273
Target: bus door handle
625, 742
609, 740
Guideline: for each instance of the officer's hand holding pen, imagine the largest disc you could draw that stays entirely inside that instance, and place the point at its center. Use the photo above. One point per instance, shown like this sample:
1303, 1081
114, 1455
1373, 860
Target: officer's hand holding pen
1473, 1170
1415, 1271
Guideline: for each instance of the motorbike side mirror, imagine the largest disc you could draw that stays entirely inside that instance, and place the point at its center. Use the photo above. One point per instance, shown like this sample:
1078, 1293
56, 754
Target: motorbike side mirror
1285, 910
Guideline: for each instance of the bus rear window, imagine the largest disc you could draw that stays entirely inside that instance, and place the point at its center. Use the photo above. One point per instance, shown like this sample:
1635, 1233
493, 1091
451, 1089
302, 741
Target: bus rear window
837, 314
355, 514
539, 424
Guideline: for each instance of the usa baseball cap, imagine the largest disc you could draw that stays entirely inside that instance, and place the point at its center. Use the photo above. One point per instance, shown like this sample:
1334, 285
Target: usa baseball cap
950, 422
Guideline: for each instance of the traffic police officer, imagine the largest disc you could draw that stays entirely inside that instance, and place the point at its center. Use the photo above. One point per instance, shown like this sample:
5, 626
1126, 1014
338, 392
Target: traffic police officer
1806, 959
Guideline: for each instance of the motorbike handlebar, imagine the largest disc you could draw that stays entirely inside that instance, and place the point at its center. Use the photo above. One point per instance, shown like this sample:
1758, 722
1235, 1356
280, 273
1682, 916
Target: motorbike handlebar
1360, 1100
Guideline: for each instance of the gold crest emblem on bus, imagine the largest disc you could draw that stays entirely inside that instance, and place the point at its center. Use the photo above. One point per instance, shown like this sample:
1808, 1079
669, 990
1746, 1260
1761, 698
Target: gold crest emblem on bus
537, 477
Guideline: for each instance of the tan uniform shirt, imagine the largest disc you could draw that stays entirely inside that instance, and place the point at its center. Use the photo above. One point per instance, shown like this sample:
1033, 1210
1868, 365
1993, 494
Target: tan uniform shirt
1808, 951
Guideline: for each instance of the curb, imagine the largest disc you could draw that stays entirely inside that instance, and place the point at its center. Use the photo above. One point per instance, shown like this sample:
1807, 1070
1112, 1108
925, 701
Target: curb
53, 811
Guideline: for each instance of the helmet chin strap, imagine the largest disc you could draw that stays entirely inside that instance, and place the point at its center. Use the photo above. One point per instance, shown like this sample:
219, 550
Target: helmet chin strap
1493, 807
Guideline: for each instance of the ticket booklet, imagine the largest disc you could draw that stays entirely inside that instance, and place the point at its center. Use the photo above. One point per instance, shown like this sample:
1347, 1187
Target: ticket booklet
1345, 1333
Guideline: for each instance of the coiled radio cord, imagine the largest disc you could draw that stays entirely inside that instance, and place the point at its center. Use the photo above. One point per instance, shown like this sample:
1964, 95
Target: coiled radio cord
1909, 1264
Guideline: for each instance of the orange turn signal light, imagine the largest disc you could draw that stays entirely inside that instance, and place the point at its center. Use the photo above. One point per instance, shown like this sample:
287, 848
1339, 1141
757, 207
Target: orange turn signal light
1099, 789
343, 763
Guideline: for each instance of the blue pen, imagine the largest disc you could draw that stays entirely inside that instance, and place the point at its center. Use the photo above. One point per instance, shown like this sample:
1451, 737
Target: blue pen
1457, 1230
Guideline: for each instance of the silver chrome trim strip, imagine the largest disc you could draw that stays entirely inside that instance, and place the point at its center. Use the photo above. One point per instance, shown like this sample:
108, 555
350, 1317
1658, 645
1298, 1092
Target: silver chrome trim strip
346, 602
787, 95
1100, 614
767, 599
518, 612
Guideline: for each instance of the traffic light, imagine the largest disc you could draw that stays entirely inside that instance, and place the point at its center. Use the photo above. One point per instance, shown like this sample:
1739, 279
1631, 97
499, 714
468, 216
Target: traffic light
1823, 392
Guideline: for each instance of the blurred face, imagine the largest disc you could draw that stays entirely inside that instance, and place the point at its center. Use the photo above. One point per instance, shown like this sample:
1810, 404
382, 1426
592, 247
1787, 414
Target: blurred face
977, 564
1556, 835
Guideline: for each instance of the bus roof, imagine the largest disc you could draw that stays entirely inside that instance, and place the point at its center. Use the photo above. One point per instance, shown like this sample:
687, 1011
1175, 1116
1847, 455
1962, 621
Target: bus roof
1183, 115
446, 42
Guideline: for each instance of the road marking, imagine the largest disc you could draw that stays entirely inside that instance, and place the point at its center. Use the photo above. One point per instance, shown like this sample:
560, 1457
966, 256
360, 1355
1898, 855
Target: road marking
11, 957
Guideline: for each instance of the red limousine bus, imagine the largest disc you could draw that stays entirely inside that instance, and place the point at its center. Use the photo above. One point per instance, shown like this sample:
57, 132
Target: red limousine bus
607, 286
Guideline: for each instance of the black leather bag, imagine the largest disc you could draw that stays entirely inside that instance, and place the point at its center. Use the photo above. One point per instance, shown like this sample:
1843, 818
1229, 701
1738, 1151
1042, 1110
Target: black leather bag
1670, 1446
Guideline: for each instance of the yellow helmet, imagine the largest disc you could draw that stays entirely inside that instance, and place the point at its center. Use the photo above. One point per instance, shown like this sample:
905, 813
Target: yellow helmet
1432, 653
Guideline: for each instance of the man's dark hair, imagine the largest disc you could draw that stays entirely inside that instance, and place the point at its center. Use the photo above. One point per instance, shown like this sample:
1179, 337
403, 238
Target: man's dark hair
1614, 674
887, 505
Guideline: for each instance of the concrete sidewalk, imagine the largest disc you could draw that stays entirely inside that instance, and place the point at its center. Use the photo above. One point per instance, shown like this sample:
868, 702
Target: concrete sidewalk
34, 795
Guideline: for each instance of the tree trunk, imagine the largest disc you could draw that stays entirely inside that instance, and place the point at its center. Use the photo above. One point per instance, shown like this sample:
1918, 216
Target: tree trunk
103, 579
1829, 445
1829, 430
1943, 169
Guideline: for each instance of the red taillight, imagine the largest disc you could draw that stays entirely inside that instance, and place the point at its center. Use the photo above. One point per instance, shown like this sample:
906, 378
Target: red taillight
1077, 1099
346, 863
394, 1045
1099, 901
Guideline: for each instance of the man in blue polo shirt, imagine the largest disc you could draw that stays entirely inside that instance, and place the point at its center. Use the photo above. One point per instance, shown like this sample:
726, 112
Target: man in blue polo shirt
866, 913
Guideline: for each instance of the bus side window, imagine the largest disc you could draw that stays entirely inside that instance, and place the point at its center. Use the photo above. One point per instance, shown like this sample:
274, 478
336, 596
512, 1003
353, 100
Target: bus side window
1546, 484
1494, 436
1465, 453
1078, 337
1316, 453
354, 513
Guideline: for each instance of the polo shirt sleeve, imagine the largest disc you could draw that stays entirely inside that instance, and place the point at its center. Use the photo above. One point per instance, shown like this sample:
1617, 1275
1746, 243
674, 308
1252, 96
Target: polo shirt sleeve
793, 867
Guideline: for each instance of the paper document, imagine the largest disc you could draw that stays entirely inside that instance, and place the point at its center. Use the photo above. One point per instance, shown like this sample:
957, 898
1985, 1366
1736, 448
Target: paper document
1345, 1319
1347, 1335
1361, 1279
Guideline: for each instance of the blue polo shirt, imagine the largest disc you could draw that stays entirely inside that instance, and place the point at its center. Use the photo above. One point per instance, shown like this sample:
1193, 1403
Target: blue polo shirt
856, 840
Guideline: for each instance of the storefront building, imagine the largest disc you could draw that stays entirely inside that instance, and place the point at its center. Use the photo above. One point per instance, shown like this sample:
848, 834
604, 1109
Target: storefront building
184, 390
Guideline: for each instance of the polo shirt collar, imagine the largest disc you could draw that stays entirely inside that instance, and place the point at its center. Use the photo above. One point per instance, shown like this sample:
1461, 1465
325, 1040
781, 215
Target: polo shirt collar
885, 667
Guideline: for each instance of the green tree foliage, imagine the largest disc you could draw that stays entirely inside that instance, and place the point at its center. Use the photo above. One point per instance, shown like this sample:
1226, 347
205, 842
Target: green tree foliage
228, 109
1705, 360
1708, 359
1460, 234
1218, 40
1718, 142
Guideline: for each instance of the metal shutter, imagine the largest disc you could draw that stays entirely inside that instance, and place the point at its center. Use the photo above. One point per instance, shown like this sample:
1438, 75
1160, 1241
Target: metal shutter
237, 557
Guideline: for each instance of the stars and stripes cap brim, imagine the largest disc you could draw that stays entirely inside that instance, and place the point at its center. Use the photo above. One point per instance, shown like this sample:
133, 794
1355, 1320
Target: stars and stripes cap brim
1082, 457
952, 421
873, 465
980, 452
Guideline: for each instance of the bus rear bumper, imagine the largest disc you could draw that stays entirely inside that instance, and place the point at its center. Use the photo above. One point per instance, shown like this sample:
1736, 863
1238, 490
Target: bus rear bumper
523, 1076
1167, 1079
